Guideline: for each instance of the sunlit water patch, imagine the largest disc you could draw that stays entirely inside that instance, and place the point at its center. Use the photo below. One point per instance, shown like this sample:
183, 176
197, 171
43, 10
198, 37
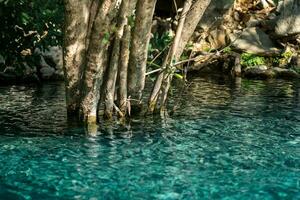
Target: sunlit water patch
226, 140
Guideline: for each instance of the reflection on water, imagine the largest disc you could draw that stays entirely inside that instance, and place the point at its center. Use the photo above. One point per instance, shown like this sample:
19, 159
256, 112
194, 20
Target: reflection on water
227, 140
27, 110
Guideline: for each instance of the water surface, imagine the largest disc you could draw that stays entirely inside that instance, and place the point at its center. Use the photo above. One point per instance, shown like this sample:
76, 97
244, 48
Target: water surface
227, 140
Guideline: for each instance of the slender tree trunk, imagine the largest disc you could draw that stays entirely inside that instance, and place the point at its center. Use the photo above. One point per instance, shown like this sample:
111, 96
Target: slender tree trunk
189, 19
162, 83
139, 50
193, 18
123, 69
93, 73
168, 74
77, 13
114, 60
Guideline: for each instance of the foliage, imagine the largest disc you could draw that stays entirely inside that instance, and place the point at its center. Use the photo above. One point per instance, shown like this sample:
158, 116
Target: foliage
287, 55
157, 47
159, 42
27, 24
227, 49
249, 60
283, 59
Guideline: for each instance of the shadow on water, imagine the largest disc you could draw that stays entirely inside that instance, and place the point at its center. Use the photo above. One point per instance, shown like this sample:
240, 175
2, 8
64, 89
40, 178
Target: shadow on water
40, 110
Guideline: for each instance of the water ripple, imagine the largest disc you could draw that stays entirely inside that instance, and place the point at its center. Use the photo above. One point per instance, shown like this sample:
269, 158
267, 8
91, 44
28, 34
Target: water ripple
227, 141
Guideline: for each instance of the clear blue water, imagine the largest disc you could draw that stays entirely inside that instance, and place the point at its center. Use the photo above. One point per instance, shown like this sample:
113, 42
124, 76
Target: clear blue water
228, 140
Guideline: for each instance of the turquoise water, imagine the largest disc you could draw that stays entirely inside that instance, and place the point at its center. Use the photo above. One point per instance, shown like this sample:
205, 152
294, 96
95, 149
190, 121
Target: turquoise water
228, 140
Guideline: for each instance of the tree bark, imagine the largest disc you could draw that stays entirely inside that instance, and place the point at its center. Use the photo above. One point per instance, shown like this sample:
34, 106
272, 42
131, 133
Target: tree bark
123, 69
89, 28
77, 13
193, 18
168, 74
189, 19
139, 50
93, 73
114, 60
162, 84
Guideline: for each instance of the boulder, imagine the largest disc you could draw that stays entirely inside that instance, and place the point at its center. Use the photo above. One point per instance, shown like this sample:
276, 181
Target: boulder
258, 72
253, 21
27, 71
54, 54
47, 72
217, 39
215, 12
253, 40
288, 23
51, 63
263, 72
295, 61
285, 73
53, 57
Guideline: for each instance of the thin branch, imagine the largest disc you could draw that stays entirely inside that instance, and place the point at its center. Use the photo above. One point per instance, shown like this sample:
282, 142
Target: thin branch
154, 71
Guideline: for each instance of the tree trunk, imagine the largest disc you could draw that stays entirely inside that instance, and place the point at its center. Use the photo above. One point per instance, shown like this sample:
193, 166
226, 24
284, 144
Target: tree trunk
114, 60
139, 50
90, 25
189, 19
168, 74
162, 83
93, 73
123, 69
76, 28
193, 18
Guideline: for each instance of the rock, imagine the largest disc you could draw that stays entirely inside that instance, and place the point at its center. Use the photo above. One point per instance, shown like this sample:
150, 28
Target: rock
253, 22
29, 70
259, 72
37, 51
263, 72
43, 62
47, 72
217, 39
253, 40
52, 57
215, 12
267, 4
262, 67
279, 6
289, 20
295, 61
285, 73
55, 55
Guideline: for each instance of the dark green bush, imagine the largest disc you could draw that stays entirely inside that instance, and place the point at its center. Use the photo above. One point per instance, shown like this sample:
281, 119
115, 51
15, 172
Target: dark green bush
27, 24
